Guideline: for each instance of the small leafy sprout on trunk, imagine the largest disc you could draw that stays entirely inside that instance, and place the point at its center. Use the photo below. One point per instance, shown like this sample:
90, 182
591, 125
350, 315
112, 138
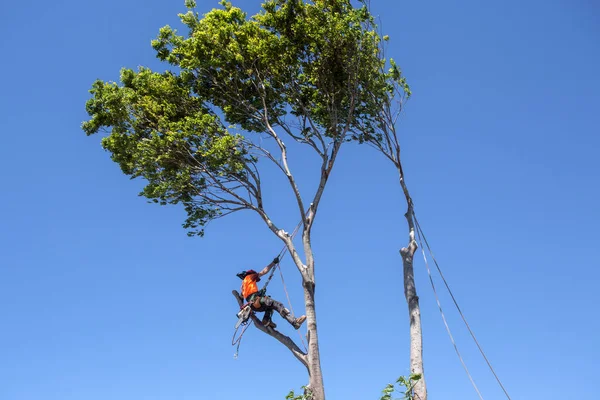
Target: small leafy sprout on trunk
407, 383
306, 396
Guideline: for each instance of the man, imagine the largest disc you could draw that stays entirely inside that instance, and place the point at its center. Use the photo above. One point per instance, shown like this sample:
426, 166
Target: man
259, 302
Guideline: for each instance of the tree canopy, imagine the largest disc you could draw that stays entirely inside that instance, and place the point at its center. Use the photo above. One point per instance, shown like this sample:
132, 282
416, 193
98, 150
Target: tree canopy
313, 70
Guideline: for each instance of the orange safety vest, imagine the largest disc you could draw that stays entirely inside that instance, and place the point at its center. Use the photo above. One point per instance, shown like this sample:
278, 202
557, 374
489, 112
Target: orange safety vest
249, 285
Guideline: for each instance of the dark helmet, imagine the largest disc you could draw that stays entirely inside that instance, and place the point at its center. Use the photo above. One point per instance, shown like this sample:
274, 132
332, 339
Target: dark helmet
244, 274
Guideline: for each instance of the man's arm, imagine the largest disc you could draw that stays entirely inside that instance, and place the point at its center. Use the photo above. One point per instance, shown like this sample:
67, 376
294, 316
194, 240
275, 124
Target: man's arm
268, 267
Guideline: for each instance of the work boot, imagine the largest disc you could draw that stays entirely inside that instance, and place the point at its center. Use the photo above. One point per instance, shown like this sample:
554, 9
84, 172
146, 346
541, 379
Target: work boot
299, 321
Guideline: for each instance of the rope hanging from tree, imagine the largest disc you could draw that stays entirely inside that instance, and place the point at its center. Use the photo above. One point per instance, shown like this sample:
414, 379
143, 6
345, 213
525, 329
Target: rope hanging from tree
280, 257
420, 235
422, 239
238, 341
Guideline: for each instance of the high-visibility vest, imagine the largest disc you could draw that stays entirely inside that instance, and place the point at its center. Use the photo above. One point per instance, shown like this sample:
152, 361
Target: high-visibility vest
249, 285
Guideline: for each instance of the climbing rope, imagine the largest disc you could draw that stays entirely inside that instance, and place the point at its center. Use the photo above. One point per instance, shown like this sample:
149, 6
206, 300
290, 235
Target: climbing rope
437, 299
238, 341
280, 256
420, 234
287, 295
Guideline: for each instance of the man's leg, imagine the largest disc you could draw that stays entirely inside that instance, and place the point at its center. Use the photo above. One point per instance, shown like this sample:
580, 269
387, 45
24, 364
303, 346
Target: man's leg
271, 304
267, 318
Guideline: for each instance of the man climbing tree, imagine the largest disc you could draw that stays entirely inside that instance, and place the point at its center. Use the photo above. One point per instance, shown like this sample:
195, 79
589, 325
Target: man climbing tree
258, 300
203, 134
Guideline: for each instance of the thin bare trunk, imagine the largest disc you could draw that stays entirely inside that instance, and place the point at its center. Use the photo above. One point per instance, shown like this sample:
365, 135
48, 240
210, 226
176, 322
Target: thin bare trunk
316, 387
410, 292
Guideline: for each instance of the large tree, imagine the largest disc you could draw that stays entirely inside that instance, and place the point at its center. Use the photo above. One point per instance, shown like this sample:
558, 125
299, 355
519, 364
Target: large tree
238, 88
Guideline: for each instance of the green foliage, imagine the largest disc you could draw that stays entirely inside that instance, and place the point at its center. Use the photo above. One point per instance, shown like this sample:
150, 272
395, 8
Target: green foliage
403, 385
407, 383
188, 132
155, 124
305, 396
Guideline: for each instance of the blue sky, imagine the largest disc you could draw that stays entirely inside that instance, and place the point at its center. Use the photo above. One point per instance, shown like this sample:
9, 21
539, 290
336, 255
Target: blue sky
103, 296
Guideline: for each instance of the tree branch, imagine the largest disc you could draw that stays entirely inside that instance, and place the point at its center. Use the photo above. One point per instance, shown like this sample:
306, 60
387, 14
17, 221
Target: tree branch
283, 339
286, 167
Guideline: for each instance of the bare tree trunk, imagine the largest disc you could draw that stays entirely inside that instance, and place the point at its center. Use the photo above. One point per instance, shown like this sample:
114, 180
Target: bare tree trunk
410, 292
311, 359
316, 387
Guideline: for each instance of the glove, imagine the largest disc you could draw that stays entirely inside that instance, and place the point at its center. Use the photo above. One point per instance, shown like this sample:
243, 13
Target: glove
276, 260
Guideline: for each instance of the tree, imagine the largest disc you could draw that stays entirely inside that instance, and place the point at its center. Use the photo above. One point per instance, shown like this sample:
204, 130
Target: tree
381, 134
201, 133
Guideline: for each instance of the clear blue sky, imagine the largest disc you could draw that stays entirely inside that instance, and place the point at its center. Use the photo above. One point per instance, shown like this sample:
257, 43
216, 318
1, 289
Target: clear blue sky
103, 296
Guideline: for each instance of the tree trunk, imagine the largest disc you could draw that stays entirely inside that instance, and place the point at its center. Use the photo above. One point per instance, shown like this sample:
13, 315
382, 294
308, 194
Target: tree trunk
315, 385
414, 312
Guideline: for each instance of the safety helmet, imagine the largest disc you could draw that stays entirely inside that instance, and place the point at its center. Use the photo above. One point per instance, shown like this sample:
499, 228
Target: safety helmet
244, 274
